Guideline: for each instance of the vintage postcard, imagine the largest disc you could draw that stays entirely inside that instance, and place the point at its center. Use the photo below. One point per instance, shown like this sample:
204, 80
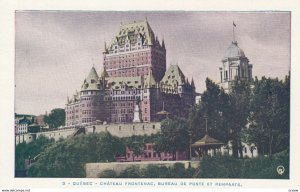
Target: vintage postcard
152, 98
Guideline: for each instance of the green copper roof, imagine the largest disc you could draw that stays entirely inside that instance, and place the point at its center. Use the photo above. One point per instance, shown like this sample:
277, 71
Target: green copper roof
117, 82
74, 99
91, 82
132, 31
173, 76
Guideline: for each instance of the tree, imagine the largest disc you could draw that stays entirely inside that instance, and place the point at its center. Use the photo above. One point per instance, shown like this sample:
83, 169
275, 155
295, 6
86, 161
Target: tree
67, 158
270, 113
239, 102
174, 136
30, 150
213, 109
56, 118
136, 144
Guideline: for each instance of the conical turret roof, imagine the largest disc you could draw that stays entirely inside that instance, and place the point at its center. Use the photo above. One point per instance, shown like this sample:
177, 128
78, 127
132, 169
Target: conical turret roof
91, 81
93, 74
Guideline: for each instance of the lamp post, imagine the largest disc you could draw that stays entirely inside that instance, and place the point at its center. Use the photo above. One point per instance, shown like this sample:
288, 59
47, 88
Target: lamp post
190, 135
205, 117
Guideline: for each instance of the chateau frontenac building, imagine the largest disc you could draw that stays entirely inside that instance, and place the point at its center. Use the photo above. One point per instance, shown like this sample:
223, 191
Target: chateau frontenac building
134, 85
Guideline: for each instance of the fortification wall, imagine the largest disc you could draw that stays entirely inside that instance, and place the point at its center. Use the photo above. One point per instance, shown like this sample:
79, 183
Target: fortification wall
126, 130
57, 134
119, 130
93, 169
24, 138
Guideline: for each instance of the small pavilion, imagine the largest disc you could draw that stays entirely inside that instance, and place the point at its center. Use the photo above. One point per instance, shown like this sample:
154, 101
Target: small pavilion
207, 144
163, 114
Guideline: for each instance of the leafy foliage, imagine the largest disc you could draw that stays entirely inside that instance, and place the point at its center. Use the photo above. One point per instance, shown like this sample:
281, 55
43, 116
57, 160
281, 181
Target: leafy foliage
56, 118
259, 168
131, 172
157, 171
220, 167
174, 136
253, 112
24, 151
67, 158
239, 99
108, 173
269, 121
215, 109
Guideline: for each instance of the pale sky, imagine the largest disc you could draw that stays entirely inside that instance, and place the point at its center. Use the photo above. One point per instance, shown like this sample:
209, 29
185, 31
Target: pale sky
55, 50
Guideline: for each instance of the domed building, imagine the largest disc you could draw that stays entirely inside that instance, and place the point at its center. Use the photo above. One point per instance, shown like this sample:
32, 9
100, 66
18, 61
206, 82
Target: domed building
234, 65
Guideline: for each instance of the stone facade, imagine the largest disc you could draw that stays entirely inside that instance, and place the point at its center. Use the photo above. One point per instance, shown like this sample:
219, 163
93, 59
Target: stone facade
135, 51
134, 74
24, 138
126, 130
118, 130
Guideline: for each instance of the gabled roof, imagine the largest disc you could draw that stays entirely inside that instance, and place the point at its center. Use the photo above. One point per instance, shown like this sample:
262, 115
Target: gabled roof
173, 76
24, 120
150, 81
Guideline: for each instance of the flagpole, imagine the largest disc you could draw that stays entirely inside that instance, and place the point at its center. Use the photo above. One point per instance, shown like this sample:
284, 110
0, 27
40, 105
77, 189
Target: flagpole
233, 31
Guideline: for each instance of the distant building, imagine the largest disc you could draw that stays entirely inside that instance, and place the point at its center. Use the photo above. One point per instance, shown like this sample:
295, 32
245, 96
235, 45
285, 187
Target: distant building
149, 154
40, 120
234, 65
21, 125
134, 80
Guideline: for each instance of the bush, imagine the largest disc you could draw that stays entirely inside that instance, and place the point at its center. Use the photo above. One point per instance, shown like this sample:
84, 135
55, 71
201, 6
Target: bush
177, 171
220, 167
108, 173
151, 171
158, 171
131, 172
265, 167
258, 168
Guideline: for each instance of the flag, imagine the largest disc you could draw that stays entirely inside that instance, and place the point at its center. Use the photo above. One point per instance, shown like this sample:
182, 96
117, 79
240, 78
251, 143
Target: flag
233, 24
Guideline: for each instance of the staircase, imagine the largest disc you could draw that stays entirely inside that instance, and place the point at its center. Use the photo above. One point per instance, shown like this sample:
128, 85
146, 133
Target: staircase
78, 131
197, 171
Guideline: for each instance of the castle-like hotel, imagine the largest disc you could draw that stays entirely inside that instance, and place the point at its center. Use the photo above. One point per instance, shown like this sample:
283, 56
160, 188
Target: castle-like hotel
134, 85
